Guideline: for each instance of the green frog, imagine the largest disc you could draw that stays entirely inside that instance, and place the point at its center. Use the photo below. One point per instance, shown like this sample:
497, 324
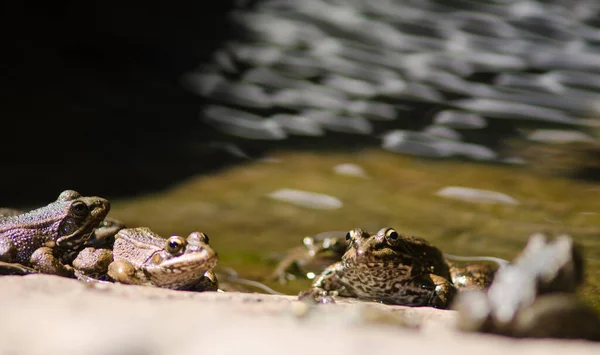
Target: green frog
142, 257
315, 254
397, 269
47, 239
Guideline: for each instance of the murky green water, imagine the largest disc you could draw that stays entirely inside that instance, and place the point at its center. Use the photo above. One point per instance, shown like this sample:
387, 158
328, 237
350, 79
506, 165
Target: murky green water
251, 231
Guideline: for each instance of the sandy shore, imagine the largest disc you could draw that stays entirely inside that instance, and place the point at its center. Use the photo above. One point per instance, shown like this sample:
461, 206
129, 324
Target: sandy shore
52, 315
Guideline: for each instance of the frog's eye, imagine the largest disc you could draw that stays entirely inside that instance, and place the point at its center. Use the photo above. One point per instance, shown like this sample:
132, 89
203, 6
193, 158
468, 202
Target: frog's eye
175, 245
80, 209
205, 237
391, 235
348, 236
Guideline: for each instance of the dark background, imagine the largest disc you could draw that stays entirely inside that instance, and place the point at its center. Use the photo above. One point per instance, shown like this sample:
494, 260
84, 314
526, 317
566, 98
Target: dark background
92, 99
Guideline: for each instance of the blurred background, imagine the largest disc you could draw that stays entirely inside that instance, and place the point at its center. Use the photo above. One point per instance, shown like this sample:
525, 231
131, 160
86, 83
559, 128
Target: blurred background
471, 123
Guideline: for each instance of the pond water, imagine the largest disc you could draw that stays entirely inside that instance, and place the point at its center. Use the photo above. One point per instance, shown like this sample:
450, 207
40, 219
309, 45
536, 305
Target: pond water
252, 231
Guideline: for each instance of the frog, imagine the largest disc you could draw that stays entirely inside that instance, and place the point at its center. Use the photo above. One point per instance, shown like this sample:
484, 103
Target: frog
102, 237
47, 239
386, 267
325, 248
312, 257
533, 296
142, 257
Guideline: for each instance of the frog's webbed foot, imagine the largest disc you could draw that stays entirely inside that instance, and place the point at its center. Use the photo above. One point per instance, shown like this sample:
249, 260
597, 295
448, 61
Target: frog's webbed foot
44, 261
326, 286
316, 296
15, 269
443, 292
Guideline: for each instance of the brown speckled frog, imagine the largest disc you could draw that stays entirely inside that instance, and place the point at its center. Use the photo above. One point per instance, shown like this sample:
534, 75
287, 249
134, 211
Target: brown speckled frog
392, 268
48, 238
141, 257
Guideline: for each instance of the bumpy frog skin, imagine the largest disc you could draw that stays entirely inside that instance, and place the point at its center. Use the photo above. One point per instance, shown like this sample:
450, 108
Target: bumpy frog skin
389, 268
48, 238
142, 257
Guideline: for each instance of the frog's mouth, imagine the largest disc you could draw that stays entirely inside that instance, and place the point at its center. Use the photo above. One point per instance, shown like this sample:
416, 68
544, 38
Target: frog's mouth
198, 262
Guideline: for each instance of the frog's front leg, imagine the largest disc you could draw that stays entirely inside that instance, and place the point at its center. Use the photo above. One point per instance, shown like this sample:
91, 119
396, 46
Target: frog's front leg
124, 272
208, 282
443, 292
44, 261
328, 284
8, 250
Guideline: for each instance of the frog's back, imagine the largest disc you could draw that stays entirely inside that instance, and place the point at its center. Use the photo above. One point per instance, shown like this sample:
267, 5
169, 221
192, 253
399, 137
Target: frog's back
136, 245
29, 231
426, 254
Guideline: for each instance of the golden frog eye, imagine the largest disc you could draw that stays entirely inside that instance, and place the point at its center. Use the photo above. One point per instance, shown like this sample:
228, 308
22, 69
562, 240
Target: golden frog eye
391, 236
175, 245
79, 209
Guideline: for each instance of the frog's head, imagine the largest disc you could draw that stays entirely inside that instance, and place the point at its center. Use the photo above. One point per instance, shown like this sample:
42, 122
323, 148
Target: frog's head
78, 216
385, 245
182, 260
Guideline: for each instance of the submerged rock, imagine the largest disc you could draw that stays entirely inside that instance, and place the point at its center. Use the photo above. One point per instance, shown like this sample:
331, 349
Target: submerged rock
307, 199
558, 136
350, 170
476, 195
427, 145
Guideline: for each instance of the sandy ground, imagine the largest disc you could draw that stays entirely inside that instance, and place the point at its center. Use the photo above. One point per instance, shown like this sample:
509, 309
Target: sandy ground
42, 314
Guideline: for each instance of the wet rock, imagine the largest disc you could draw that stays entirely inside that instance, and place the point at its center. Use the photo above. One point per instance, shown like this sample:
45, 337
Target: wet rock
242, 124
459, 120
558, 136
422, 144
350, 170
299, 125
337, 123
476, 195
372, 110
442, 132
298, 66
512, 110
306, 199
240, 94
531, 82
350, 86
255, 55
302, 98
270, 79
